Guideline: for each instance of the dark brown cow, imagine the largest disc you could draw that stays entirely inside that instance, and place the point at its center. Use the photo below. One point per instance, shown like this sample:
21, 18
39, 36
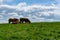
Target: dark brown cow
13, 21
24, 20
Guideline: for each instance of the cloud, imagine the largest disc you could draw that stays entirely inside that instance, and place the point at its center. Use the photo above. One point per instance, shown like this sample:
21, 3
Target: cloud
34, 12
1, 17
1, 1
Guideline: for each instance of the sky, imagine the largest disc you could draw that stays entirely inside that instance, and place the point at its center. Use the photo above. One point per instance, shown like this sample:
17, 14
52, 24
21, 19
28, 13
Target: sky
34, 10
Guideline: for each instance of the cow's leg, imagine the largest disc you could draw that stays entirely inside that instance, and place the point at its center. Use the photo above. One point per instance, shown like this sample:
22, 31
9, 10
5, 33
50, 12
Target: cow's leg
9, 22
29, 22
21, 21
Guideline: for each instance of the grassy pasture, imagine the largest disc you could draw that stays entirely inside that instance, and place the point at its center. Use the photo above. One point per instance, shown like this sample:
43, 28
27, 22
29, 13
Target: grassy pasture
33, 31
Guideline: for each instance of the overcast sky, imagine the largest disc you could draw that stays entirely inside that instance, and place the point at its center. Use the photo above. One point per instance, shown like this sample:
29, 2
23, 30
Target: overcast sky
35, 10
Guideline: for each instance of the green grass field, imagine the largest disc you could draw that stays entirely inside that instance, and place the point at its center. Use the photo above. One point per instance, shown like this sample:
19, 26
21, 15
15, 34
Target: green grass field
33, 31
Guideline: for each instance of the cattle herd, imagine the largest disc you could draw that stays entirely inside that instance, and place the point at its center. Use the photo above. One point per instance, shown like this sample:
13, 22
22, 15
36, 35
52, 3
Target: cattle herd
21, 20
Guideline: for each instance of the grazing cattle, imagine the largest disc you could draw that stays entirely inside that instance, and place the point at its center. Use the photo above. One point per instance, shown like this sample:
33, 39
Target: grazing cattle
13, 21
24, 20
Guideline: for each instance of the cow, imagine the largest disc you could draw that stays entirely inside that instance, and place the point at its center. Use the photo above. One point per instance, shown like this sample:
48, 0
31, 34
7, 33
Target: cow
13, 21
24, 20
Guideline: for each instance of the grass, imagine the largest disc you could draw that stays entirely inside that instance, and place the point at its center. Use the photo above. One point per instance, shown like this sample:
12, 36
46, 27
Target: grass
33, 31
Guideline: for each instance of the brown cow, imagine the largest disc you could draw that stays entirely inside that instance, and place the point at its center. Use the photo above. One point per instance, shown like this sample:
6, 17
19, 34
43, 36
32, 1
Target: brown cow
24, 20
13, 21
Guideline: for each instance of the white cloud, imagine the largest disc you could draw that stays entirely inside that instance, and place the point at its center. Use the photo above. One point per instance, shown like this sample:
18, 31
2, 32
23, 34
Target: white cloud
33, 12
1, 1
45, 13
1, 17
13, 15
35, 7
22, 4
7, 6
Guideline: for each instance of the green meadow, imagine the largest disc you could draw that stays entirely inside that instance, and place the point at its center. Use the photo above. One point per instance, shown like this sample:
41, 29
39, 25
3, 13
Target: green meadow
32, 31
